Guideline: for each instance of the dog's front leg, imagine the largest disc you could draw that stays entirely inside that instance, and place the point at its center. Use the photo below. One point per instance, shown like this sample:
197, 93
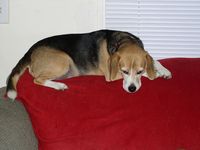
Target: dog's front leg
161, 71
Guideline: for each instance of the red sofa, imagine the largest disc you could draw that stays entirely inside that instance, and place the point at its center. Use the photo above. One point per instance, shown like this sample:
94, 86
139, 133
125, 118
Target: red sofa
96, 115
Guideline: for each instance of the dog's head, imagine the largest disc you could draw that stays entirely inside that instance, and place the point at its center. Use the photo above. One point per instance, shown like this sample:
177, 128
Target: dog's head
131, 61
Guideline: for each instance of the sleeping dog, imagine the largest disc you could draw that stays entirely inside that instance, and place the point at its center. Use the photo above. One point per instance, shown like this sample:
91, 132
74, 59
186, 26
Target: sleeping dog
113, 54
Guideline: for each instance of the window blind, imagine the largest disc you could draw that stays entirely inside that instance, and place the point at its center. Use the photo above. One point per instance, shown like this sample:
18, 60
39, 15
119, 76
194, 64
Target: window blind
168, 28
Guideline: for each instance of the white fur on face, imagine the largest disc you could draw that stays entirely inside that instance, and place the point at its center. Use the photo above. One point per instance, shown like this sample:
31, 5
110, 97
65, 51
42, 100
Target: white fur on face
131, 79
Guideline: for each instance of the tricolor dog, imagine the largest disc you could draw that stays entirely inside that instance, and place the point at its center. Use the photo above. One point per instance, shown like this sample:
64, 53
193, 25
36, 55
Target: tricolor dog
113, 54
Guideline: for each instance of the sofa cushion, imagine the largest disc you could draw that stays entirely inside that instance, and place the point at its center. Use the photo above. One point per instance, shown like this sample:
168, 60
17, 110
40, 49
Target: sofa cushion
95, 114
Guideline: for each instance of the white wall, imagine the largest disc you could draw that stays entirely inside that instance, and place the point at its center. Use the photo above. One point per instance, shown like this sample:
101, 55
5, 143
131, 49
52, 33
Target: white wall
32, 20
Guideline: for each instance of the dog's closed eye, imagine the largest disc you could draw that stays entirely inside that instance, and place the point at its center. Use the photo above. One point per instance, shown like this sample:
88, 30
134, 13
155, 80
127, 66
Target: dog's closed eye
125, 72
140, 72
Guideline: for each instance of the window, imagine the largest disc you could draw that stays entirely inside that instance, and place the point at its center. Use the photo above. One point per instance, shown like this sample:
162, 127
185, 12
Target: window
168, 28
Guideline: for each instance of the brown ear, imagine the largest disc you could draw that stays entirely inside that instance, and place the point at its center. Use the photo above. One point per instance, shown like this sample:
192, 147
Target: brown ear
150, 69
114, 66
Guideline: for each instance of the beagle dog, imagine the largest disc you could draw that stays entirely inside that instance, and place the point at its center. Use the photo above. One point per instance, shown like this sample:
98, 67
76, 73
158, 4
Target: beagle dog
113, 54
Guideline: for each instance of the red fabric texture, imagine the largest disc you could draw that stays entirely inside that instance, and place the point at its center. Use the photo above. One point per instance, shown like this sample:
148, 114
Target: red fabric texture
96, 115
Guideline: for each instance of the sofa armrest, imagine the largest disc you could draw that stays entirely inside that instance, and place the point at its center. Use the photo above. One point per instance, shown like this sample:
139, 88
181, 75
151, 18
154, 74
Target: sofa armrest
15, 127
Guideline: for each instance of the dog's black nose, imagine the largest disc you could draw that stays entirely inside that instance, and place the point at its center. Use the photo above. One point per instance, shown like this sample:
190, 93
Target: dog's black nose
132, 88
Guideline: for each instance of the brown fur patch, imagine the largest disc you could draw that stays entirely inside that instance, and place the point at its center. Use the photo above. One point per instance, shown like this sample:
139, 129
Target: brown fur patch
104, 57
48, 64
150, 69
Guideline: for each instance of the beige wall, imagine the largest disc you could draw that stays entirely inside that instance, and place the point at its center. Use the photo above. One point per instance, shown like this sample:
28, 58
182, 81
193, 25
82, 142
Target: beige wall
32, 20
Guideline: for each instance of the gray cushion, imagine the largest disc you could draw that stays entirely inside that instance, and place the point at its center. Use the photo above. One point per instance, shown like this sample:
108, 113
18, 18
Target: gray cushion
16, 131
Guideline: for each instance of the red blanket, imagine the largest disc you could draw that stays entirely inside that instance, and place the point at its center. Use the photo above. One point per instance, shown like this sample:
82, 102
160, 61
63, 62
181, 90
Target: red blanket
95, 115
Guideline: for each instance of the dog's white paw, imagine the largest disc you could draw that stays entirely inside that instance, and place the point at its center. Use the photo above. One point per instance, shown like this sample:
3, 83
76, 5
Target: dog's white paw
55, 85
61, 86
165, 73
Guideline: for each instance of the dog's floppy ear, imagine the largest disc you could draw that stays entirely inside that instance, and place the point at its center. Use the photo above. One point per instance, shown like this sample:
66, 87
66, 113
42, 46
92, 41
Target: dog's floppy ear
112, 44
150, 69
114, 66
